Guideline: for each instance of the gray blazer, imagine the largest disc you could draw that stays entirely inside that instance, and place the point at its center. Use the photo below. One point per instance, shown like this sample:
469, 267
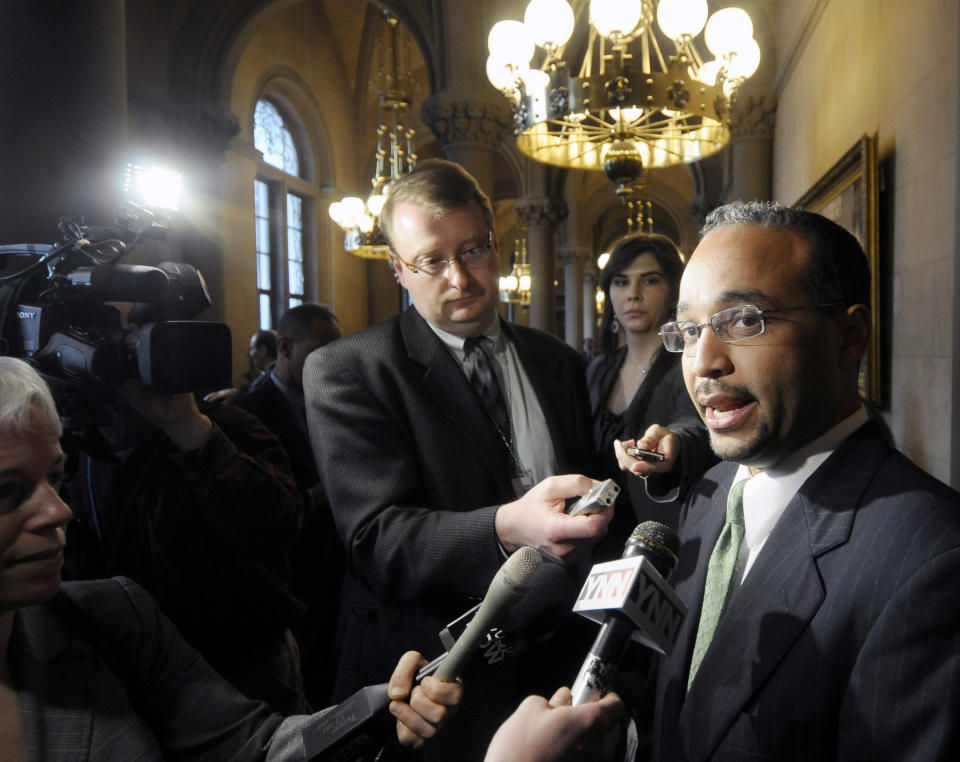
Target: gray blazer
844, 641
103, 675
415, 471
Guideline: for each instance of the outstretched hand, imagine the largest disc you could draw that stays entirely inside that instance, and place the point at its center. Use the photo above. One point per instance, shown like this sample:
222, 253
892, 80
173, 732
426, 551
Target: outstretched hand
537, 519
656, 438
554, 731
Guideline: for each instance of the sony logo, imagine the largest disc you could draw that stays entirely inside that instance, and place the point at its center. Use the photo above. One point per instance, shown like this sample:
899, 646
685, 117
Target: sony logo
24, 315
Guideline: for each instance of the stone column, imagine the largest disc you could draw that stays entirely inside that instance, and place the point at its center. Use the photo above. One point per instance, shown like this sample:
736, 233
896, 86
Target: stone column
63, 86
573, 258
469, 129
589, 302
751, 148
540, 216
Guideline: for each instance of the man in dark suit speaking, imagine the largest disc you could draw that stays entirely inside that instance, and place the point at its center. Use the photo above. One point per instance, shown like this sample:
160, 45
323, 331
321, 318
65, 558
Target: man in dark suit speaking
824, 619
435, 433
818, 564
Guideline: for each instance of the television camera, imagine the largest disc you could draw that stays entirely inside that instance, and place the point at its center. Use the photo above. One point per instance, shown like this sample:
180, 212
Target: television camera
61, 307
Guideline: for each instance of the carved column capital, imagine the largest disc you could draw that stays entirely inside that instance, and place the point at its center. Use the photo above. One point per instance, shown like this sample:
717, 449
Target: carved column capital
190, 120
537, 212
753, 116
573, 255
455, 118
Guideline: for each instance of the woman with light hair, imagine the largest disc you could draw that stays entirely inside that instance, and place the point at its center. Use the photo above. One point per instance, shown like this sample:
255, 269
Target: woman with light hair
93, 670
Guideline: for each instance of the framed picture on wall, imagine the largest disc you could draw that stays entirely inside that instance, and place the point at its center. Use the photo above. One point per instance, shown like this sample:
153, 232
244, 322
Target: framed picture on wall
848, 195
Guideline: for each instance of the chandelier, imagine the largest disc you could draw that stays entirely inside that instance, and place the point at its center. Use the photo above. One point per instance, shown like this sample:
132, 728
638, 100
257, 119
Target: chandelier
395, 150
626, 107
515, 287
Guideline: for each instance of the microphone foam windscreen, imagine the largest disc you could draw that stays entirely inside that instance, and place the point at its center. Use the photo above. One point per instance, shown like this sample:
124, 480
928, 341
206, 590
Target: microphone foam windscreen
521, 566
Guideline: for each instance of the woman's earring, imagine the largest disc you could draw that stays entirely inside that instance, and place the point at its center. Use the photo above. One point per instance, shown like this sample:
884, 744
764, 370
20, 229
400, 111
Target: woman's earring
614, 325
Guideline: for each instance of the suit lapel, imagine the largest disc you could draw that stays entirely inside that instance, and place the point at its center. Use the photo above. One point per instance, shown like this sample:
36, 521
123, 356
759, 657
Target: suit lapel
778, 599
445, 382
775, 604
56, 678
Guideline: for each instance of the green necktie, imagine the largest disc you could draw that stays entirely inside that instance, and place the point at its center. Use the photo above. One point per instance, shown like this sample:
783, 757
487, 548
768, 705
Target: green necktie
723, 560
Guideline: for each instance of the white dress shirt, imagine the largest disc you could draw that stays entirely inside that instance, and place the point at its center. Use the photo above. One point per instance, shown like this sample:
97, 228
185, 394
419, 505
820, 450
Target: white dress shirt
767, 494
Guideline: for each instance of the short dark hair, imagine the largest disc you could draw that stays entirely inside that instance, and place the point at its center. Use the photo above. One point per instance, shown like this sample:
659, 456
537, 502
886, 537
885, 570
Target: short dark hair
268, 340
297, 322
839, 271
438, 186
625, 250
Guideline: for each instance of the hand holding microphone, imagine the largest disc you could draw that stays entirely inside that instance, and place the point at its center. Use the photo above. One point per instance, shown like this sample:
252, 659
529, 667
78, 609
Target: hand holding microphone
420, 709
554, 730
352, 728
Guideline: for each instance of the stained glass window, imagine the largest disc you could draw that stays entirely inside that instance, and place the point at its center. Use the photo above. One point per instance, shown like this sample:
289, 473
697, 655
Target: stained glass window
272, 138
282, 205
295, 278
261, 210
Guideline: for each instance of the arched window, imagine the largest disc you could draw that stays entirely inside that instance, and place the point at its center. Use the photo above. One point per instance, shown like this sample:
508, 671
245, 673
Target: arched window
282, 206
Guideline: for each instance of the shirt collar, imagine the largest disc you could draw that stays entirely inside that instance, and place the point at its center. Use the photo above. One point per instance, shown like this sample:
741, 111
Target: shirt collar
455, 343
792, 471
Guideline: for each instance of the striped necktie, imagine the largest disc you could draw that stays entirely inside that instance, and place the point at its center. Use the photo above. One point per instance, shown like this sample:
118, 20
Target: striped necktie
480, 370
716, 590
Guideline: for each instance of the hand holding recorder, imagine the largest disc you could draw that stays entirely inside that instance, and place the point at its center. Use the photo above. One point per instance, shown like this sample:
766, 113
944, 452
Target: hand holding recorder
656, 452
539, 518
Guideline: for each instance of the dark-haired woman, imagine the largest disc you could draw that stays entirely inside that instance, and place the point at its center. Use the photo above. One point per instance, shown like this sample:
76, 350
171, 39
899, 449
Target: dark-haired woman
634, 383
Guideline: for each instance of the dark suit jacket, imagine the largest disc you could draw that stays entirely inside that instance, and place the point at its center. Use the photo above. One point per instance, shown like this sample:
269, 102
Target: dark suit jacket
415, 472
316, 558
844, 641
267, 402
103, 675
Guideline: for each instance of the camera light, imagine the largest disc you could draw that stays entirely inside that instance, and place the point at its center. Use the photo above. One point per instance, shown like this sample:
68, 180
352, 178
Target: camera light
154, 186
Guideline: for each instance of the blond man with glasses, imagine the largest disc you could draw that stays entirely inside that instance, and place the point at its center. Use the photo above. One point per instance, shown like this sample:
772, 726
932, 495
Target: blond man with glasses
447, 439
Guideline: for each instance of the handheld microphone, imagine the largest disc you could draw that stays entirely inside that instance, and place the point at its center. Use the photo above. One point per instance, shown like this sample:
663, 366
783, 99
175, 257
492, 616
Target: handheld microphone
634, 601
351, 729
508, 585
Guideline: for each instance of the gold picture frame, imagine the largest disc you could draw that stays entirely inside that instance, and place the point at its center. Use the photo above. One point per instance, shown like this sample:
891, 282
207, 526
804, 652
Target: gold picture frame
849, 195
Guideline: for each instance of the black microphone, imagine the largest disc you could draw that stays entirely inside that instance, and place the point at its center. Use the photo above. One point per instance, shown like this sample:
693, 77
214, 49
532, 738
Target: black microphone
635, 602
349, 730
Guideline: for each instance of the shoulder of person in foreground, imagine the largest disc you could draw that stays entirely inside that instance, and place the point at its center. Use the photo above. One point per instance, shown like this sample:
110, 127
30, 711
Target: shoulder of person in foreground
189, 708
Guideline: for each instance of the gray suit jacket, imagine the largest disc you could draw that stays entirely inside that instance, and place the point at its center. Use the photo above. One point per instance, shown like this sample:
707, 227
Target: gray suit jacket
844, 641
415, 471
103, 675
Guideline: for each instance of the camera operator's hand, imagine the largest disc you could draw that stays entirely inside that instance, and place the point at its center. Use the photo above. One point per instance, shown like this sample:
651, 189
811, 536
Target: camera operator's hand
177, 415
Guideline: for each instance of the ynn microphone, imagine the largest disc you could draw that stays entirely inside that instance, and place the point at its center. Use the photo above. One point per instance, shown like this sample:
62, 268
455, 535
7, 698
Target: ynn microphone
633, 600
